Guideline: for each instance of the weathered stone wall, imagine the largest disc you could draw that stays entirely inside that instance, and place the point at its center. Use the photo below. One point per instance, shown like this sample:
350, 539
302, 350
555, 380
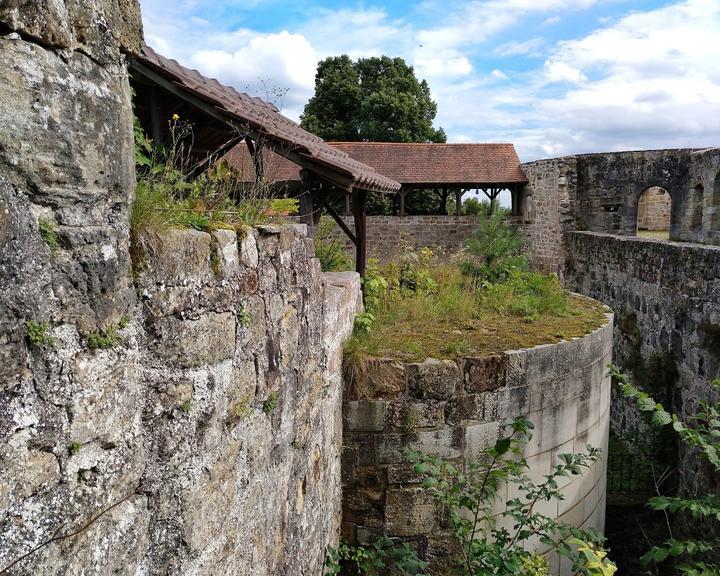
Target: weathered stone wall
203, 435
601, 192
654, 210
666, 298
214, 421
389, 235
548, 209
454, 410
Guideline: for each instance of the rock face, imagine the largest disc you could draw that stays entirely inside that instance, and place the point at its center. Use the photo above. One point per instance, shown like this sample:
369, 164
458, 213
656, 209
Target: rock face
455, 410
185, 420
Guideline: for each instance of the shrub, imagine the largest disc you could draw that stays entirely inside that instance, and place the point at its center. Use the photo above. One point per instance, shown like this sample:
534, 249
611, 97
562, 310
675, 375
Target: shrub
493, 250
329, 250
695, 554
469, 496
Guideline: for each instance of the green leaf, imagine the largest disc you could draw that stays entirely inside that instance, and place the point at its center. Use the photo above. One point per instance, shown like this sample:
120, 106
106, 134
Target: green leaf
661, 418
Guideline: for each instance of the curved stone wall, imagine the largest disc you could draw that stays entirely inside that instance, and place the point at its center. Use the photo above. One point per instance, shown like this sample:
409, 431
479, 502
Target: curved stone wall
454, 410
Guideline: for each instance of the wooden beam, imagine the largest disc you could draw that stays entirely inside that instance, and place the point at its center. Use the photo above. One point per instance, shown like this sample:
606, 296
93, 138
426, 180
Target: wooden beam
216, 113
256, 155
359, 207
341, 223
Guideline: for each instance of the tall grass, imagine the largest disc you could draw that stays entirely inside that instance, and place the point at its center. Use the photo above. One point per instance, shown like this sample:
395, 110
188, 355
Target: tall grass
168, 194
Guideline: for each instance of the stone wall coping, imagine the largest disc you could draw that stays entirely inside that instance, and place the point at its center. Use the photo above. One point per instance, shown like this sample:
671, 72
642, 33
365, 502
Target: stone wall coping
647, 241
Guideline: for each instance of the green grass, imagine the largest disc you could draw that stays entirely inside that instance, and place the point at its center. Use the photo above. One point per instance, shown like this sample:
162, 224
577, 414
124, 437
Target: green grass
461, 318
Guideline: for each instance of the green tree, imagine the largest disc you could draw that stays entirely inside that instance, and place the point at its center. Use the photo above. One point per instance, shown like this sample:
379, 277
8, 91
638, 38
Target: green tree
373, 99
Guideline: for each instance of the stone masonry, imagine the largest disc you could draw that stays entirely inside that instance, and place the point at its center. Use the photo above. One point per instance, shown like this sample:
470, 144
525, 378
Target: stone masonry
454, 410
388, 236
208, 436
181, 418
654, 210
666, 298
601, 193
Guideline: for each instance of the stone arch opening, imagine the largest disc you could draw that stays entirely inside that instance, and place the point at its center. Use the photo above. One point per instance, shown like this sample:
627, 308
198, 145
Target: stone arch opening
715, 221
698, 202
653, 214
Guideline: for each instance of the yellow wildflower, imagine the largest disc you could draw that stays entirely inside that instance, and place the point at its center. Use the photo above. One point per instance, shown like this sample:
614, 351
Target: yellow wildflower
175, 117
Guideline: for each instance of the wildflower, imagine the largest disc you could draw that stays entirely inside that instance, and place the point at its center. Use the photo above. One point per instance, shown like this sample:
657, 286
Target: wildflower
175, 117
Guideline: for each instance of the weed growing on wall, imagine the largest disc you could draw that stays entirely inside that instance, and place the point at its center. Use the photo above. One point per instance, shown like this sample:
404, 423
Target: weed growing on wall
420, 306
693, 554
48, 233
171, 194
270, 403
469, 498
38, 333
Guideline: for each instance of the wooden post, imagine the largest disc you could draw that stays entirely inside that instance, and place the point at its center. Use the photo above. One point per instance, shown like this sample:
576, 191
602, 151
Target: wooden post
402, 201
458, 201
348, 208
359, 206
443, 200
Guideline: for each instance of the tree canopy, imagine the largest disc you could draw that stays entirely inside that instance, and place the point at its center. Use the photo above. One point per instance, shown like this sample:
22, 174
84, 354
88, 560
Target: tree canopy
375, 99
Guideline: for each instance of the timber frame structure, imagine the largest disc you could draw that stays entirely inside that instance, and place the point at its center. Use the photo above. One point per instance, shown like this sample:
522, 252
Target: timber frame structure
223, 118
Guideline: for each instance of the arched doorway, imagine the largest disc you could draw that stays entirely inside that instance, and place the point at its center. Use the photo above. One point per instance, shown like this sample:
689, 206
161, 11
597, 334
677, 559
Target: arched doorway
653, 215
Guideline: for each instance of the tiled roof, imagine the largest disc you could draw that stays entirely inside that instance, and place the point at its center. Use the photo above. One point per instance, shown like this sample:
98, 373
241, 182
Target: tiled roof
452, 164
264, 119
461, 165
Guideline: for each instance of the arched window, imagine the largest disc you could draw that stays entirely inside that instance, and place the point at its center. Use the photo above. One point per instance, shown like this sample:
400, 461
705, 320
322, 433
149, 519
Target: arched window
653, 219
698, 199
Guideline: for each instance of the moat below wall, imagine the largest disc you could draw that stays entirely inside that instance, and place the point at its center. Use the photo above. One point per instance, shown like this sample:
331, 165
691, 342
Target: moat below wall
666, 299
455, 410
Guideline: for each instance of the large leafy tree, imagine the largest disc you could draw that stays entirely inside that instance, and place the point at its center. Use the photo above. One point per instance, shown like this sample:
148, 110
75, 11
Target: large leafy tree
372, 99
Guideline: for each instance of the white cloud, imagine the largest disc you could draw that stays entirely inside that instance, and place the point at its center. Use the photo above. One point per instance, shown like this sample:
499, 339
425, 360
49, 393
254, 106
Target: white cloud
528, 47
558, 71
266, 64
644, 80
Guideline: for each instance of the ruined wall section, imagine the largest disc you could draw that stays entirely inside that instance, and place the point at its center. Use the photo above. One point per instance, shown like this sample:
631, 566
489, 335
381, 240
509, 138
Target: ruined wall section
548, 208
455, 410
666, 298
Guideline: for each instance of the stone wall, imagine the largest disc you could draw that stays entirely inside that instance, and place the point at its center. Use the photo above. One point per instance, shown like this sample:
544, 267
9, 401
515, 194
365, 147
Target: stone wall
182, 418
454, 410
666, 298
548, 209
209, 434
601, 192
388, 235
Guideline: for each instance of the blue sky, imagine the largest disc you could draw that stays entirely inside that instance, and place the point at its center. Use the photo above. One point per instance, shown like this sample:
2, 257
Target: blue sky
552, 76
